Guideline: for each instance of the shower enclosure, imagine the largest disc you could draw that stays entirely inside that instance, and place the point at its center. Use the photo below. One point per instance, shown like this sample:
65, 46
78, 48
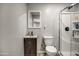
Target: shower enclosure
69, 33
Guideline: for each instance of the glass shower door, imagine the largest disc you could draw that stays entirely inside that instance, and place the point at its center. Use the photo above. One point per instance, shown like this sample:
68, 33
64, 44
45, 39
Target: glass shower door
65, 34
69, 34
75, 34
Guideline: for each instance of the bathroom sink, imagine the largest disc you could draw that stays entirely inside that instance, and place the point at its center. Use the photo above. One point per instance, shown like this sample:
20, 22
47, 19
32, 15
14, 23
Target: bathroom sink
34, 36
48, 36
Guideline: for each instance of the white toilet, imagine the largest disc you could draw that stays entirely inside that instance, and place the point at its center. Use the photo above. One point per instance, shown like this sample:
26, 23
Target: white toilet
50, 49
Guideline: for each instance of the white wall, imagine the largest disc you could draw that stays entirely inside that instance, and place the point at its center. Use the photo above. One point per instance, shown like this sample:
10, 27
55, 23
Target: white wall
12, 28
49, 18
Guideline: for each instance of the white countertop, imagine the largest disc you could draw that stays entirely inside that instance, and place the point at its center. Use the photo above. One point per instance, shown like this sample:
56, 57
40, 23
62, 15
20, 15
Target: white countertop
35, 36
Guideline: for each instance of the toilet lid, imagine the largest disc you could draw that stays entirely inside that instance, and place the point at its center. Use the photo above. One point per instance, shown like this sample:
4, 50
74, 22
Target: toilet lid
51, 49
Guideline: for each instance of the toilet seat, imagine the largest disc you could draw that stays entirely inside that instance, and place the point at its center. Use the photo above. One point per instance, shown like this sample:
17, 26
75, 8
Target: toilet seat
51, 49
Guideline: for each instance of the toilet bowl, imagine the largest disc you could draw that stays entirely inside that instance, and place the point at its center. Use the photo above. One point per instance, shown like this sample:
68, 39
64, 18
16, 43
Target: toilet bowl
51, 50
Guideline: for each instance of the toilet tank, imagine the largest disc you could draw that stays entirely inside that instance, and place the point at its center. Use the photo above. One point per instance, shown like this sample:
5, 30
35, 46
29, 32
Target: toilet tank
49, 40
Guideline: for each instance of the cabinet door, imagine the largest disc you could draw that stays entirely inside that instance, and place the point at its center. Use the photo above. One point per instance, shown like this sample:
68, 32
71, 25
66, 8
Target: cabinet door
30, 46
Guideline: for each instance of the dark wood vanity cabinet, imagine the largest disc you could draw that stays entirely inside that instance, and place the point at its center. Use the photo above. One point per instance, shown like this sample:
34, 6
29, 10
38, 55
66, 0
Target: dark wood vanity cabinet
30, 46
